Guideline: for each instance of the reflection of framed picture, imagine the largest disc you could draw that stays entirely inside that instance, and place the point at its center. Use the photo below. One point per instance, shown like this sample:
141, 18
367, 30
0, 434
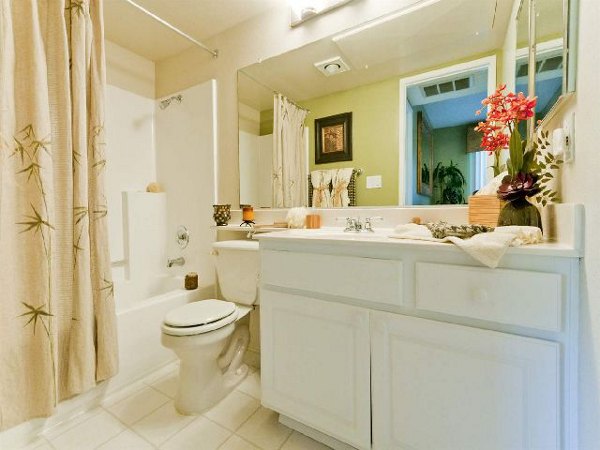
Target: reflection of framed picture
333, 138
424, 173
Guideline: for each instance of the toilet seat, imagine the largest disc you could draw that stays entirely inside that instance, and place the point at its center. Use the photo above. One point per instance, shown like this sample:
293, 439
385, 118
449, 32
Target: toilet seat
199, 317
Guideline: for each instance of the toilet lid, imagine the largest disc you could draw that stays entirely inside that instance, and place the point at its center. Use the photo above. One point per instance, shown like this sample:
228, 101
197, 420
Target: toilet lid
199, 313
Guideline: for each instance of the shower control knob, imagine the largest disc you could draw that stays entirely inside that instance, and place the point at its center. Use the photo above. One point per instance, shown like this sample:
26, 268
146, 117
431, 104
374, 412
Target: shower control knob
183, 237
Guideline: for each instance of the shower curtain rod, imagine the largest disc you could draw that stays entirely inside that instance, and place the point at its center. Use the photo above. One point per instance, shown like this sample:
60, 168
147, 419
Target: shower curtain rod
215, 52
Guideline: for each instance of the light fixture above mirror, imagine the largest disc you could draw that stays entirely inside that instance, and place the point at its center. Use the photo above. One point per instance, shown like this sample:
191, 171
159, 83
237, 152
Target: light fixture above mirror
302, 10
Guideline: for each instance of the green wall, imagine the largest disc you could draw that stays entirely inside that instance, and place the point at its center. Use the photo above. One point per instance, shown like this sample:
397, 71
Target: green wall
450, 144
374, 111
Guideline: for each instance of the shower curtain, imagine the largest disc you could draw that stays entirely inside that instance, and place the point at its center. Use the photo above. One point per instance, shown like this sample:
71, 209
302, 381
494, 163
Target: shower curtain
57, 316
290, 179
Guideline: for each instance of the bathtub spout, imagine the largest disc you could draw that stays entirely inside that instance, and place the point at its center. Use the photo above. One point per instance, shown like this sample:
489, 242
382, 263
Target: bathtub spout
176, 262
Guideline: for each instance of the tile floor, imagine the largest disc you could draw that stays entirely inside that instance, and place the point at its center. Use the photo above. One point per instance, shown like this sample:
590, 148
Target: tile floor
142, 417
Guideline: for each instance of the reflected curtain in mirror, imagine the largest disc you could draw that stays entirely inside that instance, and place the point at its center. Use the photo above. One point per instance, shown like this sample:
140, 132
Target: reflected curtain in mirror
289, 154
424, 175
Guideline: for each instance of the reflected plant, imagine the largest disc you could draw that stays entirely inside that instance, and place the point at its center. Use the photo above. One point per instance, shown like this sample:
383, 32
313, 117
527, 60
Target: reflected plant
450, 182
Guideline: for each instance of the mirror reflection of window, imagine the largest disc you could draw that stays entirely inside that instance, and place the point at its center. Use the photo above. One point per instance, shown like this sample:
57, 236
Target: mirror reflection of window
445, 149
549, 74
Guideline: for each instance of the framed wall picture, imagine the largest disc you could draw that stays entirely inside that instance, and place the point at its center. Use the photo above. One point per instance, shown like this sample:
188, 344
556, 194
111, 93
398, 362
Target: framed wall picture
333, 138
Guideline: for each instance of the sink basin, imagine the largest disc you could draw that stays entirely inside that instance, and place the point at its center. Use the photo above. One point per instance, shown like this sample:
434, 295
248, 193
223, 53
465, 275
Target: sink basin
340, 234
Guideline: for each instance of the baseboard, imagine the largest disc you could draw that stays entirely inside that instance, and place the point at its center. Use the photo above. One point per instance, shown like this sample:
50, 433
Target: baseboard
314, 434
252, 358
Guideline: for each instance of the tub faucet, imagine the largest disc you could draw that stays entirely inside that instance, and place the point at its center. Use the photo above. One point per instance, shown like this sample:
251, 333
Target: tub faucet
176, 262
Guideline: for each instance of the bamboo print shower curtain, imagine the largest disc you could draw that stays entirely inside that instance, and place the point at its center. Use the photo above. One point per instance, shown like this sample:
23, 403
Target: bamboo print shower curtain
57, 318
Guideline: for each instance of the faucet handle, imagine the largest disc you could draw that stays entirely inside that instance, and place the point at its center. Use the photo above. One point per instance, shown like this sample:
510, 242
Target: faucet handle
369, 222
351, 223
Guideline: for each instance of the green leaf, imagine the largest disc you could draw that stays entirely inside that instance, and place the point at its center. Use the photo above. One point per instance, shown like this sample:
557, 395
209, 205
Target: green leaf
509, 167
516, 151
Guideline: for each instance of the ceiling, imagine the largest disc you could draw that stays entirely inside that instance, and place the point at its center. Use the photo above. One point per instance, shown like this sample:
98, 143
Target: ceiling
408, 41
128, 27
454, 108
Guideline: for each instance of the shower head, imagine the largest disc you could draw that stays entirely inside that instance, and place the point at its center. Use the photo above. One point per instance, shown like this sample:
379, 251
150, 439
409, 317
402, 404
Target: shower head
166, 102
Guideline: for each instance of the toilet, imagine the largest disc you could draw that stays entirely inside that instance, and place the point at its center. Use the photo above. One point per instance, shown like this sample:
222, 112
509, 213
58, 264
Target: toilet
207, 335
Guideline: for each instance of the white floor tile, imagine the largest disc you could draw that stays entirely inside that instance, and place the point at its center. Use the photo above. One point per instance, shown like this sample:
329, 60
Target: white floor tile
138, 405
39, 444
201, 434
237, 443
167, 384
264, 430
89, 434
169, 369
127, 440
233, 410
123, 393
62, 427
298, 441
251, 385
160, 425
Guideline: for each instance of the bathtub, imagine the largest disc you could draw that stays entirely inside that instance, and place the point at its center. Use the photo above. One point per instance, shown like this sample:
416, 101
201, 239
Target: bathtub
140, 310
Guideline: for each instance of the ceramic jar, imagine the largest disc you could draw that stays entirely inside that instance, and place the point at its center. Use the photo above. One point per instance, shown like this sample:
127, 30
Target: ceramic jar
222, 214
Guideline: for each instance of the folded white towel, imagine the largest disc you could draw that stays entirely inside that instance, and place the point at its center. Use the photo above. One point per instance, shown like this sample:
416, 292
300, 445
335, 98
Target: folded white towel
487, 248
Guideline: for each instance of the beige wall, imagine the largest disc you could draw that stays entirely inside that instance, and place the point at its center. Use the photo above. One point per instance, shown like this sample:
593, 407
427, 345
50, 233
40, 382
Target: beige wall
129, 71
259, 38
580, 185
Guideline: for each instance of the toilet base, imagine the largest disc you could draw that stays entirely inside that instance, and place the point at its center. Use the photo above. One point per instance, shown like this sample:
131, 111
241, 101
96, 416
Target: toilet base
191, 400
202, 384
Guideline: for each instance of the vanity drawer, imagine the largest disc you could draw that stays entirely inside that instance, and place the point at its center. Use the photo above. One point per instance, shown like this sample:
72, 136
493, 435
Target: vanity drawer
369, 279
515, 297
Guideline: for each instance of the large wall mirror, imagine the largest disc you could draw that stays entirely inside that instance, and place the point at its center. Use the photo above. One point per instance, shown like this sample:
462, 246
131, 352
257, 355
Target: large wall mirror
546, 54
412, 81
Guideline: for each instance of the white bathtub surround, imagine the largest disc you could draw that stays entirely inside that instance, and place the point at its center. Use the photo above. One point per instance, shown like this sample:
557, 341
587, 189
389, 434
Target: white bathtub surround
185, 160
57, 310
385, 358
131, 155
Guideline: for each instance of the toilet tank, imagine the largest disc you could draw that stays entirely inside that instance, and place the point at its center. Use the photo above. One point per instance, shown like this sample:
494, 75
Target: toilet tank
238, 265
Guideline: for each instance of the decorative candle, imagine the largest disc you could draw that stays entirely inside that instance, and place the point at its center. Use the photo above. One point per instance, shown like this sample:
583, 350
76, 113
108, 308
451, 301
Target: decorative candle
313, 221
247, 213
191, 281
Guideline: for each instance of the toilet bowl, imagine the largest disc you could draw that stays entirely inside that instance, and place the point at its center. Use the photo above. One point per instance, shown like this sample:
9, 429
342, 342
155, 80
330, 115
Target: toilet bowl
208, 337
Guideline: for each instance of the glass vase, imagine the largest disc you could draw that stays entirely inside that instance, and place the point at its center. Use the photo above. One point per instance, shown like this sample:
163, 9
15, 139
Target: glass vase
520, 212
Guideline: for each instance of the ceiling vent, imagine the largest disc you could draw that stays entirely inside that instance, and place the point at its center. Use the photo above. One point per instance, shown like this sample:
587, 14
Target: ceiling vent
541, 66
332, 66
447, 86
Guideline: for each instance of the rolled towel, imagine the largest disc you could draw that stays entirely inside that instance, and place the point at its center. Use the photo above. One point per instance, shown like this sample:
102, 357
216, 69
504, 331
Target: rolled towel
486, 247
522, 235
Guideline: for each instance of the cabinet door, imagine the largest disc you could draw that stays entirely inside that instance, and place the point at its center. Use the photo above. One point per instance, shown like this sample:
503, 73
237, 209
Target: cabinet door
315, 364
443, 386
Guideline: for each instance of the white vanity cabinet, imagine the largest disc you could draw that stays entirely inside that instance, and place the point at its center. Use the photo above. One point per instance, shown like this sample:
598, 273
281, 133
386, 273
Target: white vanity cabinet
442, 386
315, 366
386, 345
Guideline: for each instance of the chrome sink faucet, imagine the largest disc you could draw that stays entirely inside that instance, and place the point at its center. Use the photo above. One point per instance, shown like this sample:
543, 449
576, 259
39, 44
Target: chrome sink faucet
355, 224
176, 262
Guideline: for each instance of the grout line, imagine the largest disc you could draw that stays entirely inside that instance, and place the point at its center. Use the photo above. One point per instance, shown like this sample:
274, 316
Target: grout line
71, 419
112, 437
286, 439
243, 439
128, 427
